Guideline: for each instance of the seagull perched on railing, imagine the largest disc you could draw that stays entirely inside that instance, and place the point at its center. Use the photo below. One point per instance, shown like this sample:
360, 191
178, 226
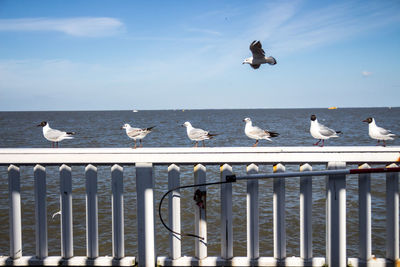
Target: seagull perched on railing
196, 134
378, 133
53, 135
320, 131
258, 57
136, 133
257, 133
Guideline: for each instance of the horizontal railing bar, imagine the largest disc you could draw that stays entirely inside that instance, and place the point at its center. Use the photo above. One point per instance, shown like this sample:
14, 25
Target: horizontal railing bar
208, 155
310, 173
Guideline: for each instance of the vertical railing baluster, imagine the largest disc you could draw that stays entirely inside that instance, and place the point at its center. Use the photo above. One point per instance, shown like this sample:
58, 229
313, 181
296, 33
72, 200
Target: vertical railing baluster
117, 203
67, 244
14, 195
145, 214
392, 214
306, 214
91, 212
364, 214
40, 211
226, 214
174, 212
200, 209
336, 217
253, 251
279, 214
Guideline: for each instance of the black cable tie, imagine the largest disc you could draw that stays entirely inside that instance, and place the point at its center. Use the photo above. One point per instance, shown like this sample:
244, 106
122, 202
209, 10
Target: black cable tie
231, 178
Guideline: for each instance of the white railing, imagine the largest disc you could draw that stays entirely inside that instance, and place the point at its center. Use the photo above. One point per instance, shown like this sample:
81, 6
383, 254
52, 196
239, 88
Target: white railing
145, 159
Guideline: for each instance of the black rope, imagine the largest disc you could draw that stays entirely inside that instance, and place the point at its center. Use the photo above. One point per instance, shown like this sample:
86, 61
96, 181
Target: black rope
182, 187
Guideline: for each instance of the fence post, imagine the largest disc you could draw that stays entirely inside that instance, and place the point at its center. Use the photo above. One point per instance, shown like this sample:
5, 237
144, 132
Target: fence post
392, 214
364, 214
226, 214
200, 212
336, 216
117, 202
67, 247
91, 212
145, 214
306, 214
40, 211
174, 211
14, 196
252, 214
279, 214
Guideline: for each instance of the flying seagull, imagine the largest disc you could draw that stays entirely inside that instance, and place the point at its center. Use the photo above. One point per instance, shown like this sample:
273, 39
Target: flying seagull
53, 135
378, 133
320, 131
136, 133
196, 134
258, 57
257, 133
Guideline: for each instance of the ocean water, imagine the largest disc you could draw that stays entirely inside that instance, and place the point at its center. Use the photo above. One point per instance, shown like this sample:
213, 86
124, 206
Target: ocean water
102, 129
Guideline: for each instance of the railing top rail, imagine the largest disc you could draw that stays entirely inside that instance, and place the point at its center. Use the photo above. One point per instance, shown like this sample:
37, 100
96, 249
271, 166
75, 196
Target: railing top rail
207, 155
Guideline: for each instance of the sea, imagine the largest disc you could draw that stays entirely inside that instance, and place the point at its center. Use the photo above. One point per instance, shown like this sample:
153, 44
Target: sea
103, 129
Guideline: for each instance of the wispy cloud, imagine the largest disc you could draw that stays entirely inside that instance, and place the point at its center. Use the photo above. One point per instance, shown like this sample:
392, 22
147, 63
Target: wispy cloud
366, 73
289, 27
82, 27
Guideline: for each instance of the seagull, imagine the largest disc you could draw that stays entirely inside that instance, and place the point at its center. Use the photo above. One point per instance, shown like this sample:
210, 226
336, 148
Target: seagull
136, 133
378, 133
196, 134
321, 132
53, 135
258, 57
257, 133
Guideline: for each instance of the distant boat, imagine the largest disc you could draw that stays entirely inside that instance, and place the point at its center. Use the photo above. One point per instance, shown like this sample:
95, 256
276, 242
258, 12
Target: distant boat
135, 110
332, 108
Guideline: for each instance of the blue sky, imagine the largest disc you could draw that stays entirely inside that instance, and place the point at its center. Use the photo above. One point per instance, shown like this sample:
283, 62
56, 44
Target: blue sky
119, 55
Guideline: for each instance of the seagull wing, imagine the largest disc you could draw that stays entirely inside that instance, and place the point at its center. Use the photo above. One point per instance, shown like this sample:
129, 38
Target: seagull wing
196, 133
134, 132
256, 50
256, 131
255, 66
383, 131
325, 131
54, 134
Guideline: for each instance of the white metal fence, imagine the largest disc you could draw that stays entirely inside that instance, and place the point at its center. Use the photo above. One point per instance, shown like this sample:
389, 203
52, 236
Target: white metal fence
145, 159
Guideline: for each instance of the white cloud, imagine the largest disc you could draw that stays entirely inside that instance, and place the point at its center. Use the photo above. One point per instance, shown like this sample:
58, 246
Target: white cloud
82, 27
366, 73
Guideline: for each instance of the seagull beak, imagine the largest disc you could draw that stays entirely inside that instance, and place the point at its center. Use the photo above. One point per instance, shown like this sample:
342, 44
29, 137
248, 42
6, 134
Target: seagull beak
365, 120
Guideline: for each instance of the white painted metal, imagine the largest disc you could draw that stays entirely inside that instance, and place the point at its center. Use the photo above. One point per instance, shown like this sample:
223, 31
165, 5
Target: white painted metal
226, 214
392, 215
336, 216
216, 155
67, 243
174, 212
145, 214
253, 251
306, 214
279, 214
364, 214
92, 244
40, 211
200, 214
14, 200
117, 202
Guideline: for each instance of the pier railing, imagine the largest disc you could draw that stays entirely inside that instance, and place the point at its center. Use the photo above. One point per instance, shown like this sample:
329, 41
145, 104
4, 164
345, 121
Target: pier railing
144, 160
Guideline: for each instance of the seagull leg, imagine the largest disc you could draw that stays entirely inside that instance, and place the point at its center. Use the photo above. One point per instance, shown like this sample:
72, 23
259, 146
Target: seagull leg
317, 142
255, 144
322, 143
384, 143
140, 141
135, 144
195, 144
52, 144
203, 144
